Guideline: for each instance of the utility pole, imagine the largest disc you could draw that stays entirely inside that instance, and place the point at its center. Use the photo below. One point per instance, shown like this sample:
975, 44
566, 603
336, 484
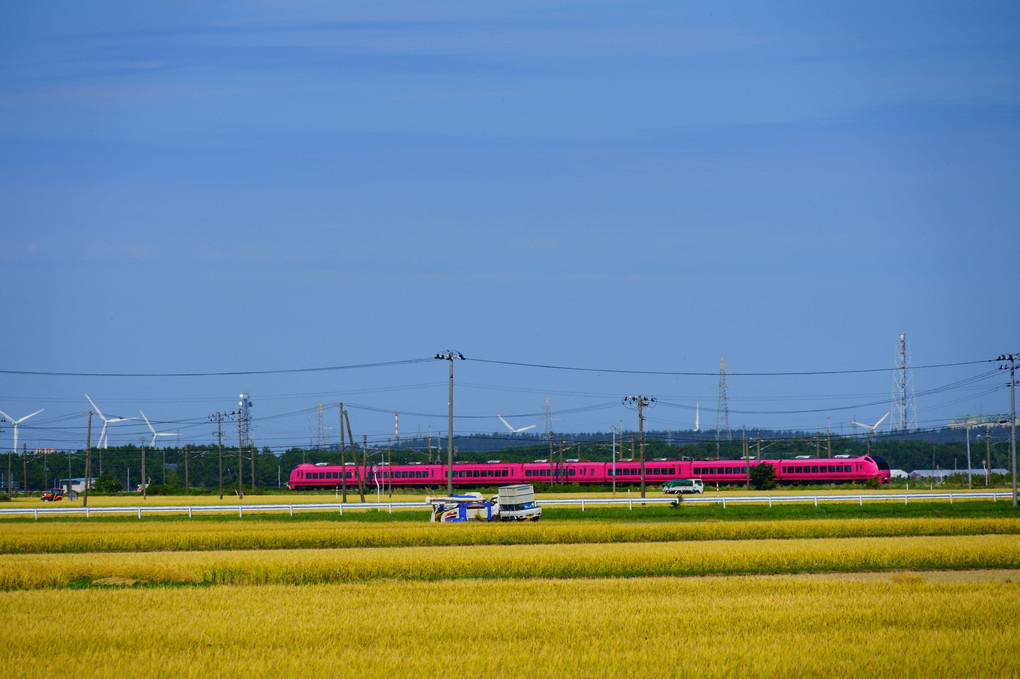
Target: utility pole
560, 471
343, 461
641, 402
218, 418
449, 355
354, 456
1011, 359
364, 463
144, 484
746, 450
253, 466
614, 455
551, 458
88, 461
24, 465
389, 464
970, 481
187, 480
988, 455
240, 463
10, 495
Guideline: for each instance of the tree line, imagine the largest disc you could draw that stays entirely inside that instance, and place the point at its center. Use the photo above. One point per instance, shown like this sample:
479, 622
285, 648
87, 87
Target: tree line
200, 467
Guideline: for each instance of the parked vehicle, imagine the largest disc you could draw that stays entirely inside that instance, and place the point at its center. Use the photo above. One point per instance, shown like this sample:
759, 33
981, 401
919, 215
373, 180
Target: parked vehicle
517, 503
53, 495
677, 486
460, 508
513, 503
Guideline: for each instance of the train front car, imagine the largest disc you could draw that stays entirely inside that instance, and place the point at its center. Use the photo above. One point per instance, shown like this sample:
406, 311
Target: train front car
880, 470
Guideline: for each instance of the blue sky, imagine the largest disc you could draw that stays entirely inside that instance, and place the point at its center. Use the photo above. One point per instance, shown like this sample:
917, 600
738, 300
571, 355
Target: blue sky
248, 186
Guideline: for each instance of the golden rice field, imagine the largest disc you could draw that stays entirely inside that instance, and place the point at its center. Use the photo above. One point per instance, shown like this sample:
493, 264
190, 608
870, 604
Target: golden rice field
786, 626
231, 534
573, 560
869, 597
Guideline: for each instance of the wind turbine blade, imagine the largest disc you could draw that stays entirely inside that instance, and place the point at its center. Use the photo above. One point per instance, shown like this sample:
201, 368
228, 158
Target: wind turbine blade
881, 420
530, 426
506, 423
148, 423
6, 416
32, 415
101, 434
98, 411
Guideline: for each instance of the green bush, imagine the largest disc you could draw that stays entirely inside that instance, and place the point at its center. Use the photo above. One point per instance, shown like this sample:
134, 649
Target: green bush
107, 484
763, 477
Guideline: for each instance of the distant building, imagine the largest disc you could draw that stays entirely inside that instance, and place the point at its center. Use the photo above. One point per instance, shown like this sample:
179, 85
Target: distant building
76, 485
943, 473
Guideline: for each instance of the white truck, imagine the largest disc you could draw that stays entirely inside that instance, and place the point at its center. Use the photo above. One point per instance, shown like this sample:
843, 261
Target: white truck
516, 503
678, 486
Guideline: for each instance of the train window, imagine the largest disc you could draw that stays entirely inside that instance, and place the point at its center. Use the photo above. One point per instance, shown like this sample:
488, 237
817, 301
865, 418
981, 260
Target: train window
831, 469
571, 471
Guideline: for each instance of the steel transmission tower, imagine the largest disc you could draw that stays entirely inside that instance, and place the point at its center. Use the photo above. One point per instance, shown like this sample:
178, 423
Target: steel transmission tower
905, 417
722, 413
244, 420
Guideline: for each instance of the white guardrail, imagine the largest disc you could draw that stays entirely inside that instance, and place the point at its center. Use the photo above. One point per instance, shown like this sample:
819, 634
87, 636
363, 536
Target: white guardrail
630, 501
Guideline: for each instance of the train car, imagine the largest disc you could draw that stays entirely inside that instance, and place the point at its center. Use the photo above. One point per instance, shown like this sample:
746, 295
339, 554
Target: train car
626, 472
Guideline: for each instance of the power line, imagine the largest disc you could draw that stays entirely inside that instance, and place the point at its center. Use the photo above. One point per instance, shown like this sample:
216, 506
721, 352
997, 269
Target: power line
789, 373
231, 373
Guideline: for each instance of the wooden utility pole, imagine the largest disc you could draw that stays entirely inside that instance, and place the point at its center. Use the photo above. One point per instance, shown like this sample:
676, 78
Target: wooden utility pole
219, 443
449, 356
240, 463
88, 461
642, 402
253, 466
187, 480
560, 472
552, 457
24, 465
145, 486
828, 441
988, 456
747, 457
354, 457
343, 456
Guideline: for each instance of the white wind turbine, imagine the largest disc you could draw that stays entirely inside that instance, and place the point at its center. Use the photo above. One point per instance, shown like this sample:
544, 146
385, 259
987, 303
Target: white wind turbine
872, 427
104, 440
512, 430
155, 433
16, 423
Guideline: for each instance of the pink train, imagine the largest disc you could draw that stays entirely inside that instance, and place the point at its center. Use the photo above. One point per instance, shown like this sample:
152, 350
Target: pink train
466, 475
